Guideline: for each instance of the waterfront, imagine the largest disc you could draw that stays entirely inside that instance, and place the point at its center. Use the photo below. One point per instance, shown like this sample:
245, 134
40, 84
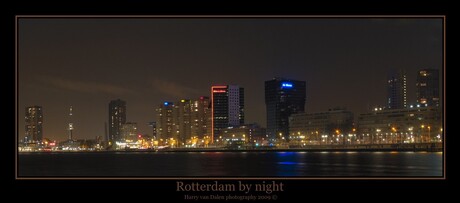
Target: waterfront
231, 164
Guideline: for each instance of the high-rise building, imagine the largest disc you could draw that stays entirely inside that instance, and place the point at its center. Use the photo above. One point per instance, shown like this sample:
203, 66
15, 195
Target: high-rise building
201, 112
182, 120
164, 121
227, 107
428, 87
71, 126
283, 97
117, 117
397, 92
34, 123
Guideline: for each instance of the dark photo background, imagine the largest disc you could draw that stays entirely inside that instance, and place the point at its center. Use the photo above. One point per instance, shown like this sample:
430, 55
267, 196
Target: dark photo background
295, 189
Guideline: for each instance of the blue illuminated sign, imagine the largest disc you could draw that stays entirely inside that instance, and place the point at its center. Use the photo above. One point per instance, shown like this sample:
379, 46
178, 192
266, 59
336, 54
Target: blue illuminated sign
286, 85
166, 103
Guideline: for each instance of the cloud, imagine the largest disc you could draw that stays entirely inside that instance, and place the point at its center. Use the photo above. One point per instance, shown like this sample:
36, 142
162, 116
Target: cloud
174, 89
83, 86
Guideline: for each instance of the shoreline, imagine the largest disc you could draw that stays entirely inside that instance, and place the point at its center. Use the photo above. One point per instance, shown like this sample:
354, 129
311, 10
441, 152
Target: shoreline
243, 150
413, 147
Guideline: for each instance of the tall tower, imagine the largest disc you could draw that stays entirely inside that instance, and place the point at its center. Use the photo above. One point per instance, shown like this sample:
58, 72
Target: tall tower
428, 87
182, 120
283, 97
397, 91
70, 123
34, 124
200, 115
117, 117
164, 122
227, 107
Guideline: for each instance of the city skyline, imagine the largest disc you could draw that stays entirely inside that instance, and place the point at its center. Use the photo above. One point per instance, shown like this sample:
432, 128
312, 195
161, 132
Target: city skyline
88, 62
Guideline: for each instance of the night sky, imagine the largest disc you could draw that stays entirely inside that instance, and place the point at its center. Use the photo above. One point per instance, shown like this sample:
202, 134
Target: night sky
88, 62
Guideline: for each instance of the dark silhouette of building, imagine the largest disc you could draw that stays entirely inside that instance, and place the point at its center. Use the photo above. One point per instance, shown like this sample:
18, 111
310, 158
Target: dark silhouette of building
153, 124
34, 124
428, 87
117, 117
283, 97
397, 91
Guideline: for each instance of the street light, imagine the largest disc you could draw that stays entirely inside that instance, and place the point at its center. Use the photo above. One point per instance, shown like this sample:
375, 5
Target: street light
337, 131
325, 137
411, 137
394, 130
429, 133
281, 135
439, 137
421, 133
378, 132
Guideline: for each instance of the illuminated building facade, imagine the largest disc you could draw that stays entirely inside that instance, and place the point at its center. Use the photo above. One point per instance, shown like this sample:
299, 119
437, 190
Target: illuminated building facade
428, 87
227, 107
419, 124
201, 112
248, 133
283, 97
34, 124
129, 132
316, 126
182, 114
396, 90
164, 121
117, 117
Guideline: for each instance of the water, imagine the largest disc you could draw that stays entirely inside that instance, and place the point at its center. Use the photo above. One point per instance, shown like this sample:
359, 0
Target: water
230, 164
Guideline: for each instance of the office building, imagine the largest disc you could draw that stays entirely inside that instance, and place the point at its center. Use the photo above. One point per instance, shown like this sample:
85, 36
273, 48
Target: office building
247, 133
283, 98
410, 125
227, 107
332, 124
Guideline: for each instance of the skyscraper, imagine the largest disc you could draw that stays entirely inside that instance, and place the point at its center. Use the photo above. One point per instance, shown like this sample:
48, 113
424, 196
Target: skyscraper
117, 117
34, 123
164, 121
201, 119
428, 87
71, 126
227, 107
283, 97
182, 120
397, 92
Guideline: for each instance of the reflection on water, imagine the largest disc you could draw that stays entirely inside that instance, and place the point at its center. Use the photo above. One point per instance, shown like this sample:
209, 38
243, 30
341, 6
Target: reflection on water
232, 164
